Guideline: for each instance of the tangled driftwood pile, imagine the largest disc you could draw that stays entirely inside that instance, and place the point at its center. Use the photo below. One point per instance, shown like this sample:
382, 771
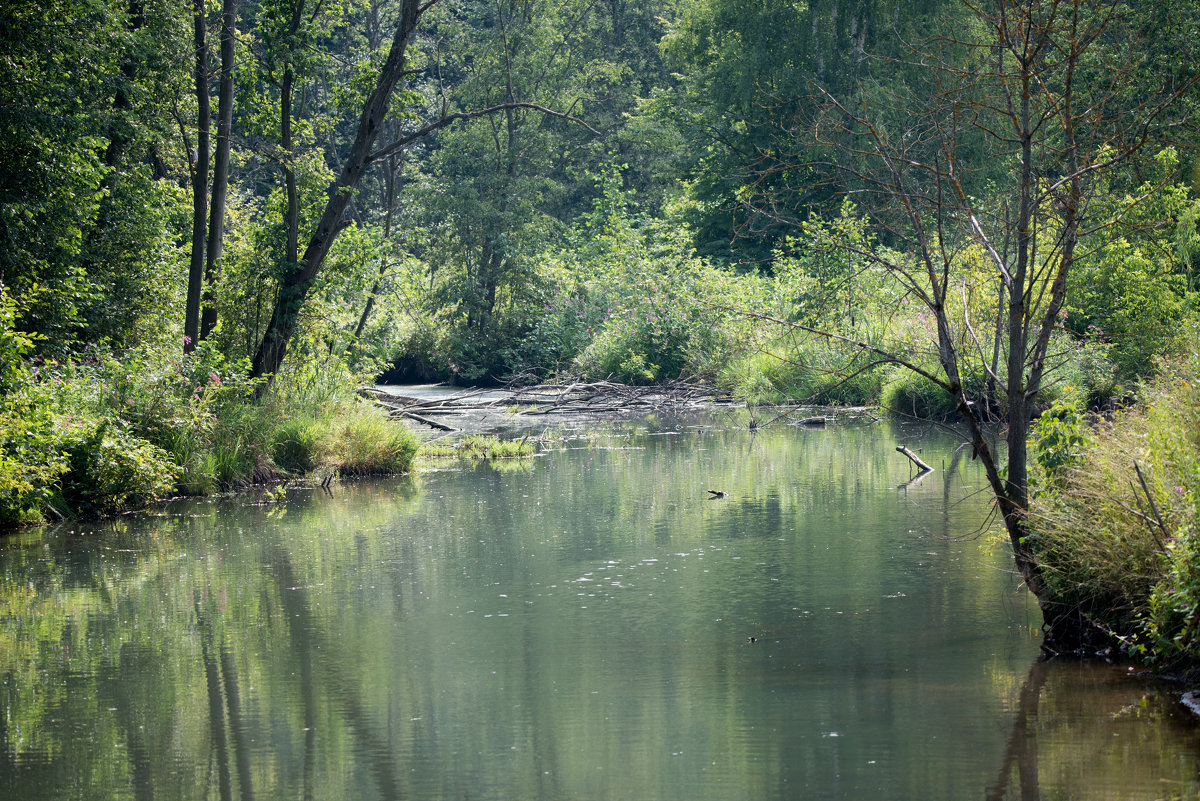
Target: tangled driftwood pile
579, 398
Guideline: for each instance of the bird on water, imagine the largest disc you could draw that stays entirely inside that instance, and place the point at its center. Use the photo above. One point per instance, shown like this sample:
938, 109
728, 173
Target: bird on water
714, 494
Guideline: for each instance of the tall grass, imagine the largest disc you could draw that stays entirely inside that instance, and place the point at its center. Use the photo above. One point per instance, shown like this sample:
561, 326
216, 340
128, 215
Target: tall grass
478, 448
362, 441
1115, 524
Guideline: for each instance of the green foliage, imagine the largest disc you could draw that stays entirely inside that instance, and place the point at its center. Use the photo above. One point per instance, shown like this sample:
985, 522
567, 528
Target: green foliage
194, 407
478, 448
31, 459
364, 442
1058, 439
911, 394
110, 470
651, 309
796, 372
87, 238
103, 435
1171, 620
746, 72
1129, 293
348, 438
30, 456
296, 445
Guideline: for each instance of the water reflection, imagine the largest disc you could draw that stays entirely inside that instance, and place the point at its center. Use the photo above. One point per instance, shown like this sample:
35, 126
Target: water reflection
1091, 730
578, 628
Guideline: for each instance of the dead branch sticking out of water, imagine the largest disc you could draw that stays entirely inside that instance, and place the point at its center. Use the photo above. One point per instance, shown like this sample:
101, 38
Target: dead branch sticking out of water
916, 460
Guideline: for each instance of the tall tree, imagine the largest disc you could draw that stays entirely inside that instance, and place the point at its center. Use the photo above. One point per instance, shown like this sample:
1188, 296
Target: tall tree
85, 225
299, 274
220, 180
742, 65
198, 163
208, 218
502, 186
1038, 85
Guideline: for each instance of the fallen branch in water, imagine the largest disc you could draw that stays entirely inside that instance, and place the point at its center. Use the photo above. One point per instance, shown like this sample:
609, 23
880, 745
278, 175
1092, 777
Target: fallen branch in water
924, 468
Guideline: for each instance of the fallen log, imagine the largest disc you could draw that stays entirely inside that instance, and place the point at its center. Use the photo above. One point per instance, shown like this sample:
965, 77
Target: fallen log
426, 421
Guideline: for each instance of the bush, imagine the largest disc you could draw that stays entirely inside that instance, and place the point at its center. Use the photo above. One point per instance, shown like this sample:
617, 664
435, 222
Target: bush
110, 470
30, 457
1058, 439
31, 461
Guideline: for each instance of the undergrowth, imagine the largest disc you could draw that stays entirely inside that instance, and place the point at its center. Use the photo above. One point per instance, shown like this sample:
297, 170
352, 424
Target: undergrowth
98, 435
1115, 517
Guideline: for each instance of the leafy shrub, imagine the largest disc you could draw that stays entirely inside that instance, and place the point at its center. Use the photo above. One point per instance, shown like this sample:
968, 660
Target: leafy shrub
30, 457
110, 470
1058, 439
31, 461
1129, 291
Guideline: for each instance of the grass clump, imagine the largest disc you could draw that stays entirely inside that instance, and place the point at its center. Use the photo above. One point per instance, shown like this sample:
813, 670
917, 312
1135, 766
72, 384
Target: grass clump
479, 448
296, 445
911, 394
1115, 518
787, 372
362, 441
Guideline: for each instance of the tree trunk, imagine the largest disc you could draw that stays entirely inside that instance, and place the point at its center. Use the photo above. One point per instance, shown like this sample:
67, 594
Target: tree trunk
296, 284
220, 186
394, 163
292, 215
199, 174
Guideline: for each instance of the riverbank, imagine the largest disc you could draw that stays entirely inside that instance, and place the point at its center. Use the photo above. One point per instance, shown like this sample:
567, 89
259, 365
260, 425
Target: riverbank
99, 435
1115, 520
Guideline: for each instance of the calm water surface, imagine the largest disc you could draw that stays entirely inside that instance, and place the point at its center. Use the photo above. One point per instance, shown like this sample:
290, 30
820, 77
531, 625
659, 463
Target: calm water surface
576, 626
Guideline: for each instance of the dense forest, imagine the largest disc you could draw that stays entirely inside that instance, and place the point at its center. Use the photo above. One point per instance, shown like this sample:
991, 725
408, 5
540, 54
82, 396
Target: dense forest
217, 219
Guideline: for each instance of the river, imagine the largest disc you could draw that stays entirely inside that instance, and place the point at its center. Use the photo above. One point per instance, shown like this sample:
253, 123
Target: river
587, 624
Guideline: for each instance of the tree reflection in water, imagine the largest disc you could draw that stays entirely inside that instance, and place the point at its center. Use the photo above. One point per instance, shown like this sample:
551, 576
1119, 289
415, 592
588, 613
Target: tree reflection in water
1086, 730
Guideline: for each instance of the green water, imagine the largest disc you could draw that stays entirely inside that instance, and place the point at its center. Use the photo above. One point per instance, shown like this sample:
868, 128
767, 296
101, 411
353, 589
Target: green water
571, 627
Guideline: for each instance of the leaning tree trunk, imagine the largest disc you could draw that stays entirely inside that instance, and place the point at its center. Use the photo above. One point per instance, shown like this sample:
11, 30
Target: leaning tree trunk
295, 285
